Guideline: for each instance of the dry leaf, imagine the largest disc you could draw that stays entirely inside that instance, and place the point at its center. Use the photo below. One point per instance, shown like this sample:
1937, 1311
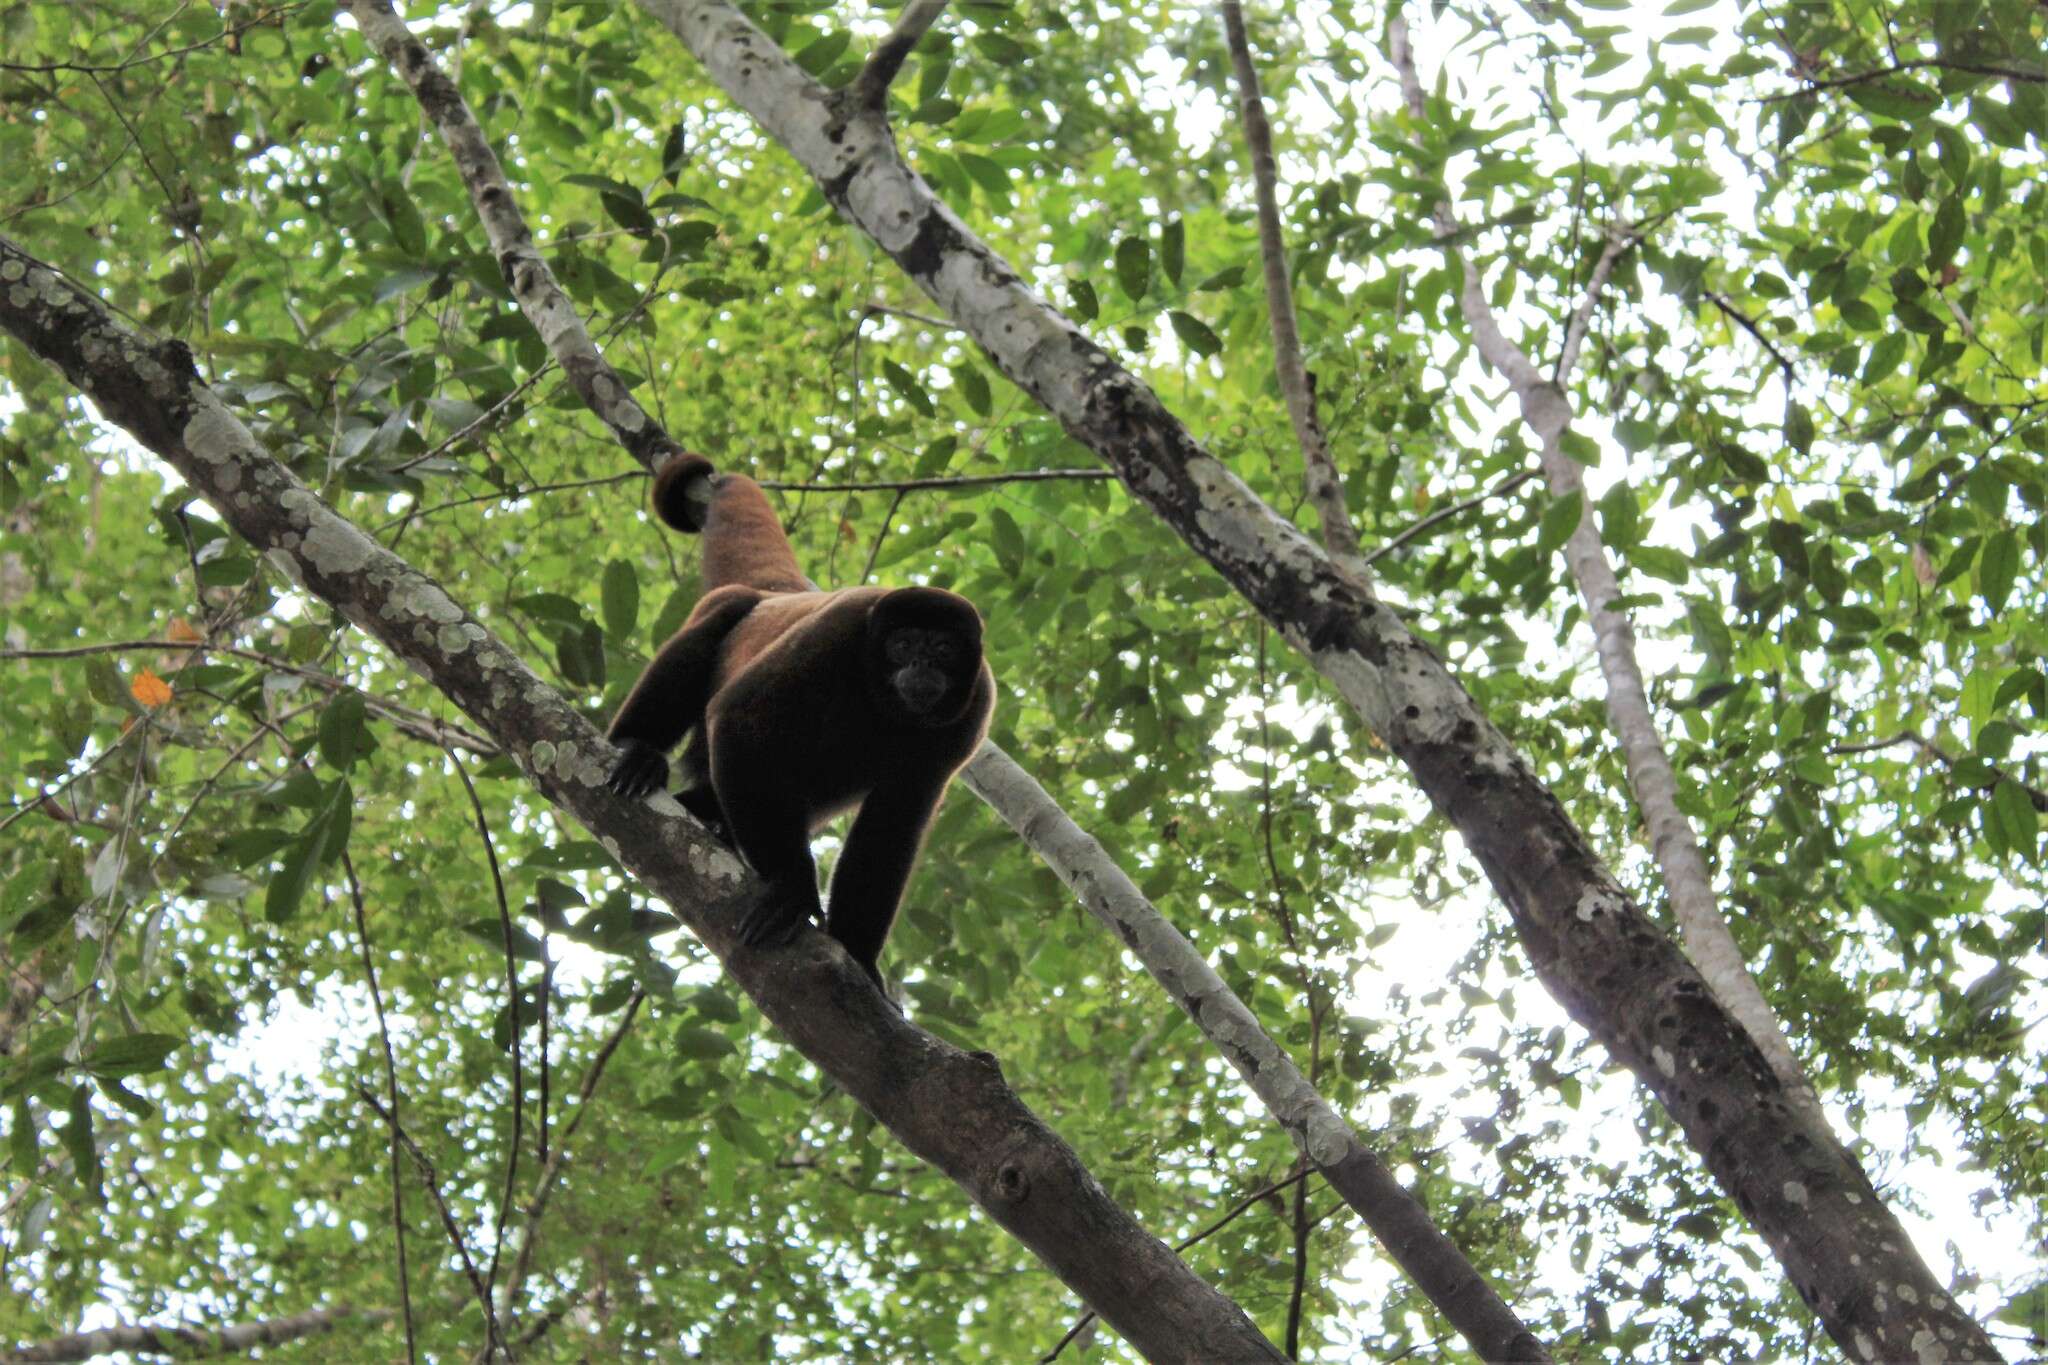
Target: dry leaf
181, 632
149, 689
1923, 566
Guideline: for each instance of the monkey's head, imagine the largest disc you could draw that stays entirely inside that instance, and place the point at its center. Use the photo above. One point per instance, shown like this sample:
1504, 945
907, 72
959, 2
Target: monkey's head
924, 654
683, 490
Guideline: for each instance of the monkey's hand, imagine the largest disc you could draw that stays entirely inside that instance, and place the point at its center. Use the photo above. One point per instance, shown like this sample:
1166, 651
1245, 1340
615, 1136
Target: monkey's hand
774, 919
641, 768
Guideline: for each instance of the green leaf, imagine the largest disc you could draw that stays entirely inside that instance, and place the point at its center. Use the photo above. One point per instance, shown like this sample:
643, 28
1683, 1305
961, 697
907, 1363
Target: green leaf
1134, 267
1798, 427
621, 599
1997, 569
1228, 278
491, 933
1086, 306
1194, 333
1945, 233
1884, 357
1172, 249
703, 1044
21, 1140
1560, 519
818, 56
308, 852
342, 730
85, 1155
1895, 96
123, 1096
1008, 541
973, 387
2011, 824
130, 1055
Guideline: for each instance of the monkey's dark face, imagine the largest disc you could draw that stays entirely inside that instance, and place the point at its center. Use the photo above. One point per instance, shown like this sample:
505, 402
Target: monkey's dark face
929, 670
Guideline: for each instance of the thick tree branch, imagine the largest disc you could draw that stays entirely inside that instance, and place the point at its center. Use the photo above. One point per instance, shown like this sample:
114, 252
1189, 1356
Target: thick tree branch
871, 86
1322, 1136
1592, 946
1319, 476
1547, 413
525, 270
1318, 1131
196, 1343
947, 1106
1400, 1222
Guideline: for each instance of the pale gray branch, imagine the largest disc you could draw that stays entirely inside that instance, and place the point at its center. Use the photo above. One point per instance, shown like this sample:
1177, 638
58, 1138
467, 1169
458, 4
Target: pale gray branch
525, 270
1547, 413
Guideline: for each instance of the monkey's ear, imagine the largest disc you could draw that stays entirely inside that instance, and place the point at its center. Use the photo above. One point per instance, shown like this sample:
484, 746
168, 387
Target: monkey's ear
682, 492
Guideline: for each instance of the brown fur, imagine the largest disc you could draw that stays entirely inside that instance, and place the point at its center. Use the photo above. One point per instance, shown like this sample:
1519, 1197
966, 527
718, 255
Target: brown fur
743, 542
795, 715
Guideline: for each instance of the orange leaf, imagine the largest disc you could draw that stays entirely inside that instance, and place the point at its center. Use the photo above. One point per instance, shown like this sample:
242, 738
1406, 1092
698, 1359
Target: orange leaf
181, 632
149, 689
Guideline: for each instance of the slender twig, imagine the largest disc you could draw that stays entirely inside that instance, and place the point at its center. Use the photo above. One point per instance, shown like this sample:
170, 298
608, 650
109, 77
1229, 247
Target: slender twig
453, 1229
186, 1341
871, 86
557, 1162
937, 324
867, 570
510, 495
1748, 324
409, 719
1263, 1192
1319, 476
2025, 75
941, 481
37, 801
483, 829
1506, 485
115, 68
2035, 795
355, 892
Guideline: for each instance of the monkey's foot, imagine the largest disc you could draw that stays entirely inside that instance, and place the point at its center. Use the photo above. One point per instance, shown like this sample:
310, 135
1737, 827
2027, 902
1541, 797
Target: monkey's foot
771, 923
641, 768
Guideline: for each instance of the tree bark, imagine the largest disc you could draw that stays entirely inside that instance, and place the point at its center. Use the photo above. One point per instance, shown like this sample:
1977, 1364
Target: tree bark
948, 1106
1594, 949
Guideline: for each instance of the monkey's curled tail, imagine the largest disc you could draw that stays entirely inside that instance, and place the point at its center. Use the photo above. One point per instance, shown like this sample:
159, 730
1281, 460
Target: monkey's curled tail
743, 541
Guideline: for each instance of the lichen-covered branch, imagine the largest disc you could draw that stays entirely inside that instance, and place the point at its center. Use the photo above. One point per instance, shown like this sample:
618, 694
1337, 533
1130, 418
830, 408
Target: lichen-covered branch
1319, 476
1591, 945
1547, 413
947, 1106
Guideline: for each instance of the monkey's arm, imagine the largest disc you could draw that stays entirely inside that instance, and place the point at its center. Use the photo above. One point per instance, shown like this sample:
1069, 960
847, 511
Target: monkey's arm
875, 866
671, 694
